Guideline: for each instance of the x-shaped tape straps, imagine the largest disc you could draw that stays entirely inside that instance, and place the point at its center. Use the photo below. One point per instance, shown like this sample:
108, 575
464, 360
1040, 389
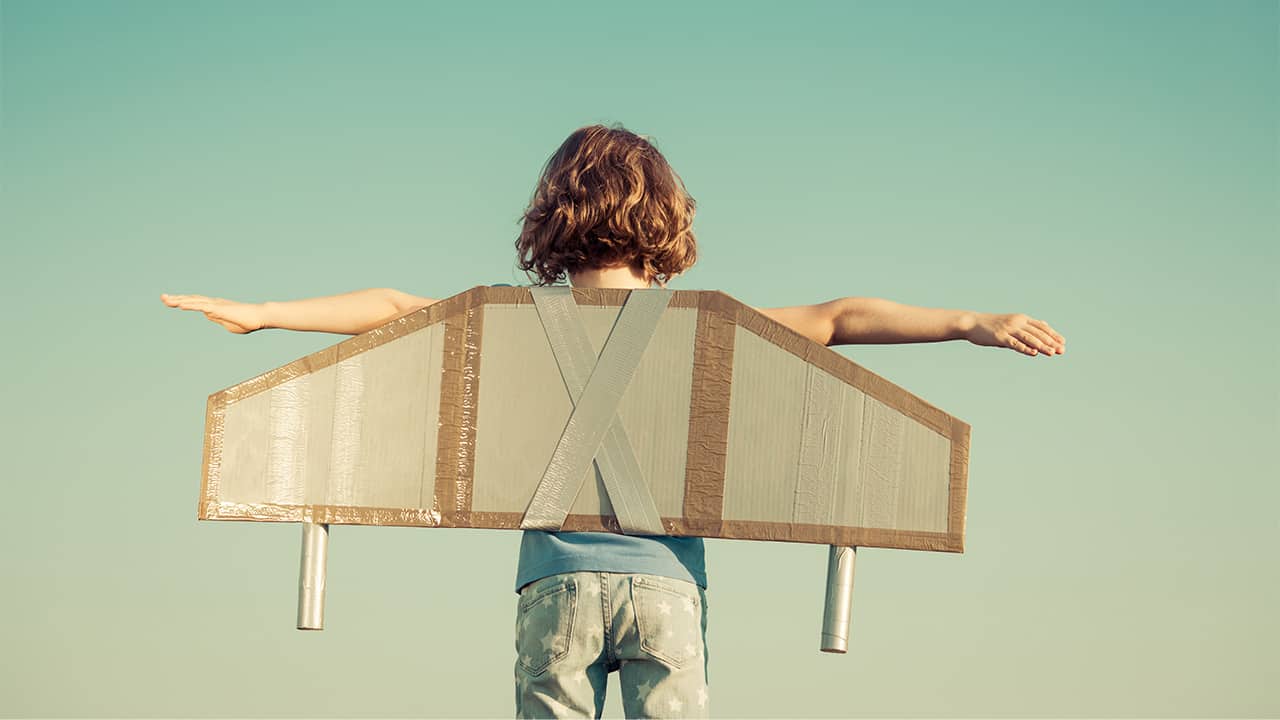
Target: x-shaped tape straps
594, 431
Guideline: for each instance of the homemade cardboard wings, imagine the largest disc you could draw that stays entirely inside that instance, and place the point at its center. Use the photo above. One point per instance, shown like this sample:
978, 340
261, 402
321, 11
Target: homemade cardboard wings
642, 411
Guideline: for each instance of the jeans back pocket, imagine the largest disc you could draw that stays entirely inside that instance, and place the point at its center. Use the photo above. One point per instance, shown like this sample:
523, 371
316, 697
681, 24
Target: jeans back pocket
669, 619
544, 623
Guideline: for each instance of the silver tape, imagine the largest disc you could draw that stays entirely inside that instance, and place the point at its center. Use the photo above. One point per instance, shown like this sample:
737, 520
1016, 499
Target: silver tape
636, 511
344, 450
594, 430
287, 442
815, 494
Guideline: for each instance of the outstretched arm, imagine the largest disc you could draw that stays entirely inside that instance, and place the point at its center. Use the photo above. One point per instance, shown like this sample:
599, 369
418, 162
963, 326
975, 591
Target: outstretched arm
851, 321
350, 314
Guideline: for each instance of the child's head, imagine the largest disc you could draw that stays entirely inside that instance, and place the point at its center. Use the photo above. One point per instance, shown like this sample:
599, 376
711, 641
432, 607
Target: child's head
607, 198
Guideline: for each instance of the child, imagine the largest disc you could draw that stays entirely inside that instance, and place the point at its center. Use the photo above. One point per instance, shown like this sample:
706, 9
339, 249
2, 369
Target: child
609, 211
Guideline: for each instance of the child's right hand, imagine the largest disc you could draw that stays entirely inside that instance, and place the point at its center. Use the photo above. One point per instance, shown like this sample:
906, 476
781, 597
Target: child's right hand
239, 318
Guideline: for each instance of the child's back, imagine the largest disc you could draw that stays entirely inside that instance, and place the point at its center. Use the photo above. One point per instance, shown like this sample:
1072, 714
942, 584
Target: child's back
609, 212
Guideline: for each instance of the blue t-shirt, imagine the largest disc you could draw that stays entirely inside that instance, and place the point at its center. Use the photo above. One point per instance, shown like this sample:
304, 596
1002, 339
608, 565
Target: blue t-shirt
551, 553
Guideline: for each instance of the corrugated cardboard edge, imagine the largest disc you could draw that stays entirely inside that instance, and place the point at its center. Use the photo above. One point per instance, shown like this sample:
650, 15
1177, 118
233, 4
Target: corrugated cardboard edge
211, 464
704, 481
959, 489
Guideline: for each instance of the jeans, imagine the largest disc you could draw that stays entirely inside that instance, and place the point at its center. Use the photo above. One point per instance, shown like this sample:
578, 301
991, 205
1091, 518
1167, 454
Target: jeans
573, 629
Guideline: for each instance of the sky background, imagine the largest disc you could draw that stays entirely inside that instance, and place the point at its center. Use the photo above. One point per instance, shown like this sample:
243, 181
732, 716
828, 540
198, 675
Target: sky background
1112, 168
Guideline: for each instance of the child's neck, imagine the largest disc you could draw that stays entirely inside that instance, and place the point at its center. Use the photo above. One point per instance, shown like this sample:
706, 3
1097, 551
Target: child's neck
611, 277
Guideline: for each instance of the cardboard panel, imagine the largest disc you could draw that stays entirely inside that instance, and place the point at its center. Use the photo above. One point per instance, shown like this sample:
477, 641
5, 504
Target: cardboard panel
244, 462
351, 434
524, 407
399, 408
656, 410
922, 499
766, 419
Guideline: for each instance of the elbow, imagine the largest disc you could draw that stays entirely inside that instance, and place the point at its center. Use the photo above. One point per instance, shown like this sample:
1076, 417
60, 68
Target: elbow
836, 319
849, 319
395, 298
817, 322
403, 302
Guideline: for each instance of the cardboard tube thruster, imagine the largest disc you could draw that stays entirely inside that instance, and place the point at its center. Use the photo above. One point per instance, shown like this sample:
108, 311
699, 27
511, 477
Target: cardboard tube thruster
839, 603
311, 576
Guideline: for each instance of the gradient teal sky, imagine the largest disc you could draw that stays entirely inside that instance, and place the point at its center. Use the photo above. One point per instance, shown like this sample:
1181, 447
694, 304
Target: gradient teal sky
1112, 168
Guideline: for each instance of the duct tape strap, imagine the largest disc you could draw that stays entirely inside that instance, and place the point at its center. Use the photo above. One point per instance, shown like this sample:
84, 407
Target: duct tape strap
634, 506
594, 430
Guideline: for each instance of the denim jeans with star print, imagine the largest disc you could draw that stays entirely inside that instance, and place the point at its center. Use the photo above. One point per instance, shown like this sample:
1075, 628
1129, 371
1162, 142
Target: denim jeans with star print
573, 629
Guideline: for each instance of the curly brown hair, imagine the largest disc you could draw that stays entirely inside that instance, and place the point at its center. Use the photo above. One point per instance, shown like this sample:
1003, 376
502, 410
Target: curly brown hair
607, 198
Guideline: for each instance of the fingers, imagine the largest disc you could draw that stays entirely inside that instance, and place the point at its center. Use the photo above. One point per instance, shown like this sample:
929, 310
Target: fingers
211, 307
188, 302
1023, 333
1058, 342
1039, 339
1052, 333
1036, 334
1021, 347
1030, 344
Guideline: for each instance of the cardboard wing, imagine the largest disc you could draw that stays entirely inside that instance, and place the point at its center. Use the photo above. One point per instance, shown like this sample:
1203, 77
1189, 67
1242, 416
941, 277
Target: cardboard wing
653, 411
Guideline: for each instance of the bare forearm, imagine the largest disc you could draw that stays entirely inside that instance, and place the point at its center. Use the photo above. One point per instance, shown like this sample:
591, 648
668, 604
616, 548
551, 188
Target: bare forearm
875, 320
350, 313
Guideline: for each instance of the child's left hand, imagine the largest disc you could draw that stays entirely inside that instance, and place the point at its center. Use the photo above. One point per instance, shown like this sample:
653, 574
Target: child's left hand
1016, 331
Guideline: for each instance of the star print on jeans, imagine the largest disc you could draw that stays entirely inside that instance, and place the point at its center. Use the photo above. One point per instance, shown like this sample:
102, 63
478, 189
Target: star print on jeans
548, 641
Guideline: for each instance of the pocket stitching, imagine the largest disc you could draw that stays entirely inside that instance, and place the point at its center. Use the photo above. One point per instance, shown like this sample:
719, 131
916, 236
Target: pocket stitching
571, 590
645, 643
